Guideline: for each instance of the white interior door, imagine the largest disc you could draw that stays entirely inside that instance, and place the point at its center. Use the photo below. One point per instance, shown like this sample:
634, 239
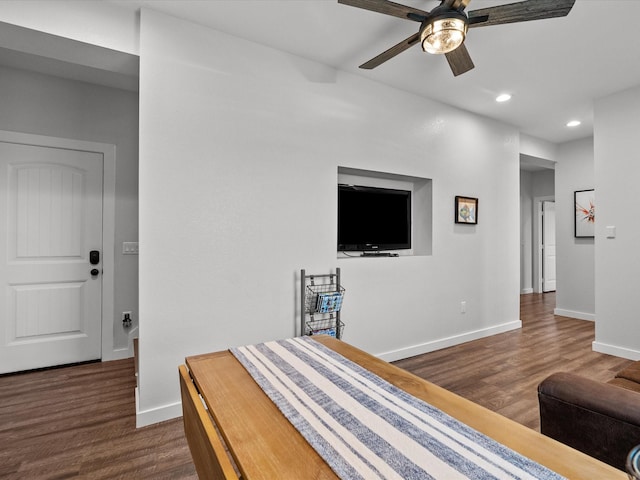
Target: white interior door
548, 246
51, 209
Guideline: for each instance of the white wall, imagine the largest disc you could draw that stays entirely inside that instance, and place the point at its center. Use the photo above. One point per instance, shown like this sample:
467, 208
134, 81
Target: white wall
543, 183
537, 148
617, 261
239, 151
575, 296
45, 105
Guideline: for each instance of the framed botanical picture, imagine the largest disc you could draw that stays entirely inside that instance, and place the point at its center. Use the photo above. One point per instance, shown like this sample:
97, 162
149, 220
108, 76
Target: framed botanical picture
466, 210
585, 213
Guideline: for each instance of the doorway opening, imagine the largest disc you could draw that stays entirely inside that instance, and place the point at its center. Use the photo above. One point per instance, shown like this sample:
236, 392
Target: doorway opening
537, 240
48, 182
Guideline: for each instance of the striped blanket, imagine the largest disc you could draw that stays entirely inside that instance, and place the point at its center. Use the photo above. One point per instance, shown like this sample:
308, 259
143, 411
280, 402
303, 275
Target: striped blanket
365, 428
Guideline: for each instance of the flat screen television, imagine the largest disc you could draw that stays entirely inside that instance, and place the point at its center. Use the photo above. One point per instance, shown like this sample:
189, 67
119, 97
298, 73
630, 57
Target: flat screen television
373, 219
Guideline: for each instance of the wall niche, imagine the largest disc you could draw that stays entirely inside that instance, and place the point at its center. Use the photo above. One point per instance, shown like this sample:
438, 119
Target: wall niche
421, 204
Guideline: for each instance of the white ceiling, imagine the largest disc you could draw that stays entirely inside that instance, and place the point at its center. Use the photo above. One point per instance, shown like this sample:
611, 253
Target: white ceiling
554, 68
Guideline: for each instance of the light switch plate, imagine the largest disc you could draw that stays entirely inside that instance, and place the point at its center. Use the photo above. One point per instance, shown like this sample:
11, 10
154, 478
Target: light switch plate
130, 248
611, 231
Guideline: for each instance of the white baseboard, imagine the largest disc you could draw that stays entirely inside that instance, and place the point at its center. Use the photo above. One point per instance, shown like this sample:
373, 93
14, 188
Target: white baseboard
615, 351
448, 341
156, 415
526, 291
573, 314
174, 410
117, 354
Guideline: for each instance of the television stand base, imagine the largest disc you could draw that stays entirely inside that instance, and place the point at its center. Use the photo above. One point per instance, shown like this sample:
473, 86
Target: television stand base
378, 254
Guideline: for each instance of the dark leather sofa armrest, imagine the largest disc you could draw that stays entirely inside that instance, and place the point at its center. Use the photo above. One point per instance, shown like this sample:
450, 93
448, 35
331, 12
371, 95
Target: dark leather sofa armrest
596, 418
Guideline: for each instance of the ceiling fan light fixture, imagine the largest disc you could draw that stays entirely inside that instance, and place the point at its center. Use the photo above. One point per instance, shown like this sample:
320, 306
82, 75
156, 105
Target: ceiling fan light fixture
444, 34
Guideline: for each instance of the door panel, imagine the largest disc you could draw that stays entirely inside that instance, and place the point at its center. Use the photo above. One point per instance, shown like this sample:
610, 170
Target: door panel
45, 309
52, 210
48, 211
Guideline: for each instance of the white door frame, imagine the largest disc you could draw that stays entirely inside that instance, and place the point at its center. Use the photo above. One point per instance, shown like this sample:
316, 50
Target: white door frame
108, 221
537, 241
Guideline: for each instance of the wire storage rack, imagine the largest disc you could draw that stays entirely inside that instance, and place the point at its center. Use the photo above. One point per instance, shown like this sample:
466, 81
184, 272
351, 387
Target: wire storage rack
321, 299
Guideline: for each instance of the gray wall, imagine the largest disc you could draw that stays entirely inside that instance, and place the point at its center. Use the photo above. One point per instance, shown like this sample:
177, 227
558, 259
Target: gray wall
575, 256
617, 266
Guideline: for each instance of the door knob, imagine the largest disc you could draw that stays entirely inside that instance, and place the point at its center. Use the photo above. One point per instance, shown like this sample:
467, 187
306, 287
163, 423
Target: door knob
94, 272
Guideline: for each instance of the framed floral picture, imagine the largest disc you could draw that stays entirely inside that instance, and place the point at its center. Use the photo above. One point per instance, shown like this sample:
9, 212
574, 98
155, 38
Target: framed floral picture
466, 210
585, 213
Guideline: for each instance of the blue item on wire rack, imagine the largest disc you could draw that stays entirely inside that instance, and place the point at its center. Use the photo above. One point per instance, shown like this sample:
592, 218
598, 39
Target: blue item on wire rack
329, 302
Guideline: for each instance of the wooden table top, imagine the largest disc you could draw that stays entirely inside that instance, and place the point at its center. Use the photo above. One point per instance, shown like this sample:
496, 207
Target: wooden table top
265, 445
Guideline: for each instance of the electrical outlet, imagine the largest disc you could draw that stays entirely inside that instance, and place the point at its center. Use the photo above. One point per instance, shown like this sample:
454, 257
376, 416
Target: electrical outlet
126, 316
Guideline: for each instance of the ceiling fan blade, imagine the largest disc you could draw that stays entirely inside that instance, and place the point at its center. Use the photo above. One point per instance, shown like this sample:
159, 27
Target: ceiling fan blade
520, 12
388, 8
459, 60
392, 52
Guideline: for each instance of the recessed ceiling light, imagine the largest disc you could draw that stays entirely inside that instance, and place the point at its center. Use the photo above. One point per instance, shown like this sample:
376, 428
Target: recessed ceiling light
503, 97
573, 123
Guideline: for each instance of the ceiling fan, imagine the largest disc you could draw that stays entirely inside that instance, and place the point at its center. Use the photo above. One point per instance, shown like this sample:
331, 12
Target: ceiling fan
443, 29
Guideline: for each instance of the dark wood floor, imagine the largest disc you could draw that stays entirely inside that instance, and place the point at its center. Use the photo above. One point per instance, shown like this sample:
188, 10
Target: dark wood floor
79, 422
502, 372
